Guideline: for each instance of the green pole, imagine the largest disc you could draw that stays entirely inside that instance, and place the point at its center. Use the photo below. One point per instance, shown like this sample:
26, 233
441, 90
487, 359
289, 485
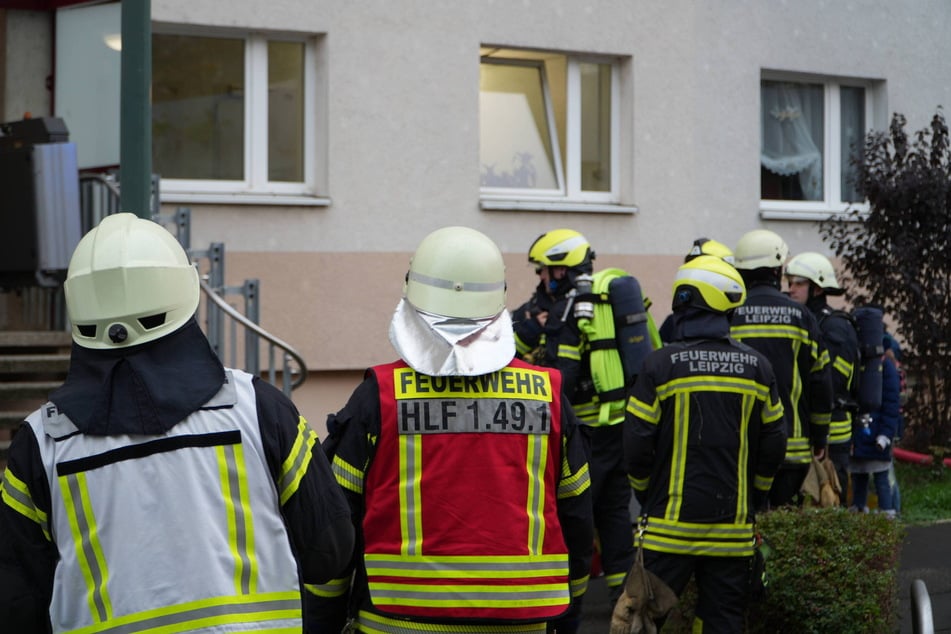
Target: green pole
135, 109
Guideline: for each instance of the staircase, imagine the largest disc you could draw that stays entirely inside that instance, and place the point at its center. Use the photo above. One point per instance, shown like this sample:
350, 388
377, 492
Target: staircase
32, 364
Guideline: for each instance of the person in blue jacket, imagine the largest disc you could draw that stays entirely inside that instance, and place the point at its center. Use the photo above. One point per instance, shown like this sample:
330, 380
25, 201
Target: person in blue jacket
872, 437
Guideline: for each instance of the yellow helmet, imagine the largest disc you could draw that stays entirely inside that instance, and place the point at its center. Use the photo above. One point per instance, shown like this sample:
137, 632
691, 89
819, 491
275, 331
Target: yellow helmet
562, 247
816, 268
129, 282
709, 283
760, 248
706, 246
457, 272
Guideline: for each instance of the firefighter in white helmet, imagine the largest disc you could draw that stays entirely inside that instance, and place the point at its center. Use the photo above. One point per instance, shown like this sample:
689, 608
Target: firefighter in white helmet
158, 488
464, 467
787, 333
811, 280
703, 438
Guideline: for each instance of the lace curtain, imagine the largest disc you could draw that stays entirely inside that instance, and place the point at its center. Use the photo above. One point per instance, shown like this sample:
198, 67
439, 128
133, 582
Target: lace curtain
792, 121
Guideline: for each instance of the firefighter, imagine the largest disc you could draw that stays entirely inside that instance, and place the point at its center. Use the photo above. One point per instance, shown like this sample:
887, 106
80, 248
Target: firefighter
464, 467
787, 333
159, 489
810, 279
546, 330
703, 437
701, 246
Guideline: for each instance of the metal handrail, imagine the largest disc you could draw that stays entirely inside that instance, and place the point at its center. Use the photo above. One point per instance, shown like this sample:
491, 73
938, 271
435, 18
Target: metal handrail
289, 351
922, 618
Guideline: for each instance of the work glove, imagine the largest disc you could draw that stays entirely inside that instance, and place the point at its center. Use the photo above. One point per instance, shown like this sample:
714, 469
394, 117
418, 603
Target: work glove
882, 441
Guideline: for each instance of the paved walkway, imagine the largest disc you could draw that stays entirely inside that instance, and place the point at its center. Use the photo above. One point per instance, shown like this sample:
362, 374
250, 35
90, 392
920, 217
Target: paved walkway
926, 555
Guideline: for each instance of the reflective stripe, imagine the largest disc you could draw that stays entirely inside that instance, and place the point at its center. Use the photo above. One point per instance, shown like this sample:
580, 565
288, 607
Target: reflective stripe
569, 352
573, 485
411, 529
616, 579
333, 588
649, 413
472, 567
379, 624
436, 282
234, 490
284, 608
16, 495
298, 459
348, 476
691, 538
578, 587
678, 459
535, 463
89, 556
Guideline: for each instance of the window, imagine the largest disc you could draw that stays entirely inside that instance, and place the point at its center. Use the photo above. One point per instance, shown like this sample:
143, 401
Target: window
549, 128
231, 115
809, 132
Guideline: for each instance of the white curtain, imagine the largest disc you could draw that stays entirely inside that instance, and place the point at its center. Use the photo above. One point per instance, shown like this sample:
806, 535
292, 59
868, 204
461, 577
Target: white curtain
792, 121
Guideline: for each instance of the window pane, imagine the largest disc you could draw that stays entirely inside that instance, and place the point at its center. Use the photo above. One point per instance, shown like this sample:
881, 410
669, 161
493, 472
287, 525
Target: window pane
198, 107
852, 136
791, 154
595, 127
285, 118
515, 143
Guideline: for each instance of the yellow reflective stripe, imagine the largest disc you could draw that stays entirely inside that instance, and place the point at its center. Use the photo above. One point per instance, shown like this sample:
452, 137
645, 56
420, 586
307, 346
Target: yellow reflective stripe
638, 484
712, 383
644, 411
578, 587
333, 588
469, 595
693, 538
840, 430
347, 476
411, 525
465, 566
770, 331
298, 459
573, 485
615, 579
743, 454
569, 352
678, 462
89, 557
234, 491
822, 360
797, 450
521, 347
207, 613
536, 460
379, 624
762, 483
17, 496
843, 367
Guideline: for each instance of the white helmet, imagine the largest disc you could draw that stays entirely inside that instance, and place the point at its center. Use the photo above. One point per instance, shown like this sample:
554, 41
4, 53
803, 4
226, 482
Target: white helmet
129, 282
816, 268
457, 272
760, 248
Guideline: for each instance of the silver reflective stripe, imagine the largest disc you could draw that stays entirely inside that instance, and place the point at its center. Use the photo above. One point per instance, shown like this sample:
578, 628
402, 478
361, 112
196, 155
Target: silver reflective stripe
96, 579
536, 505
25, 502
304, 443
479, 287
255, 612
513, 566
235, 483
409, 481
443, 595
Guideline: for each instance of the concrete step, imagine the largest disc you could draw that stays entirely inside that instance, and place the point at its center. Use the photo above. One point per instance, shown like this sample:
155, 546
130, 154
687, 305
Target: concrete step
27, 390
13, 418
34, 363
35, 339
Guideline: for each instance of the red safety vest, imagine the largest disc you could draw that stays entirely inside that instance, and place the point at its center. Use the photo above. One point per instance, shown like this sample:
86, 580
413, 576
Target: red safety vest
461, 515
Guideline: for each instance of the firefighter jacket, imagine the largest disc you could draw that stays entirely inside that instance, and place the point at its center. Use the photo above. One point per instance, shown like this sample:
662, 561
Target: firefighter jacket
209, 526
786, 332
704, 435
841, 341
471, 499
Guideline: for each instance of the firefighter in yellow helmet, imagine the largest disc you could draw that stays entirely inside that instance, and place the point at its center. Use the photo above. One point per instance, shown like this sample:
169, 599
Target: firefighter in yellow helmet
464, 467
547, 331
158, 488
811, 280
787, 333
703, 437
701, 246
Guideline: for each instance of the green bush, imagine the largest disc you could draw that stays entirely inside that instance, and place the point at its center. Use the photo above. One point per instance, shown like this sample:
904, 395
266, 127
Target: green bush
831, 571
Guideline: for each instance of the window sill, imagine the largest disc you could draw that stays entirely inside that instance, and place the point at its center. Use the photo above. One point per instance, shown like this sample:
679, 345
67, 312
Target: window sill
221, 198
562, 206
808, 216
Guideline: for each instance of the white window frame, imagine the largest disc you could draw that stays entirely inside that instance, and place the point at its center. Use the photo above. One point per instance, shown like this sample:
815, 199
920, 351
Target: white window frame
569, 196
255, 188
831, 153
